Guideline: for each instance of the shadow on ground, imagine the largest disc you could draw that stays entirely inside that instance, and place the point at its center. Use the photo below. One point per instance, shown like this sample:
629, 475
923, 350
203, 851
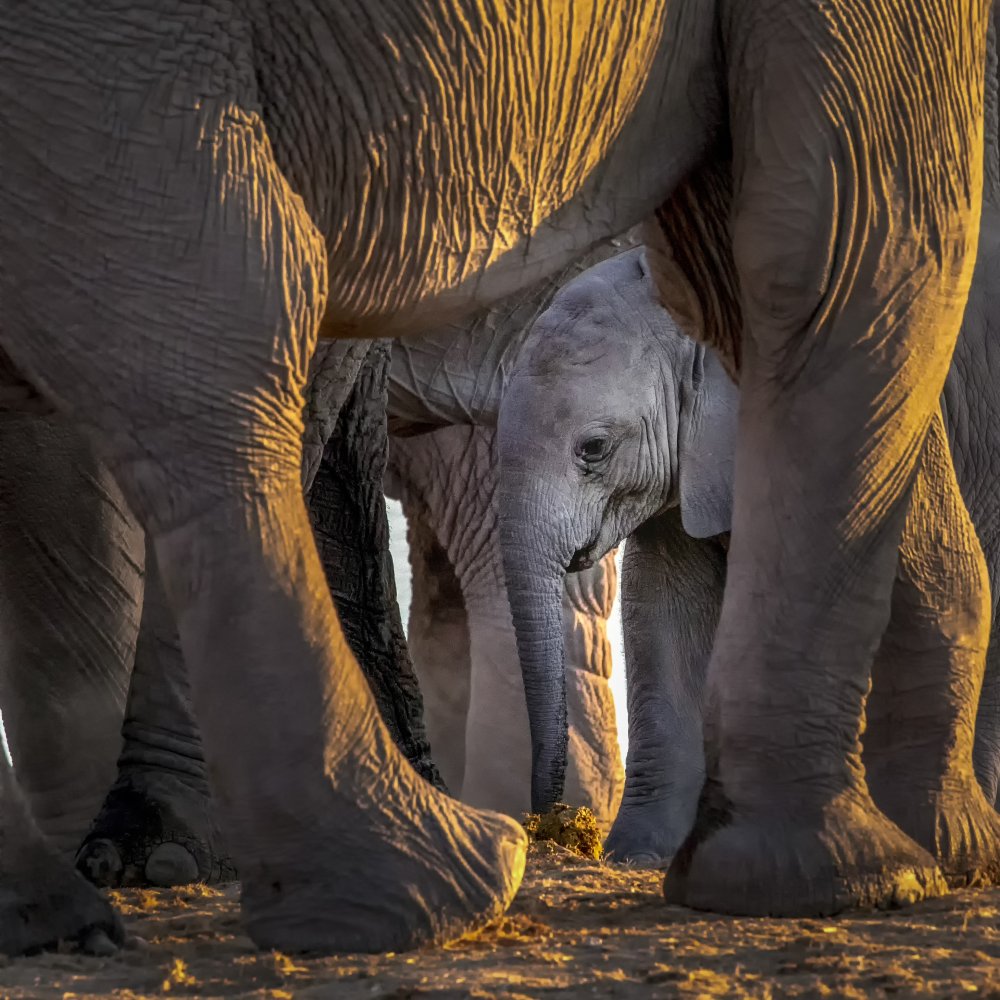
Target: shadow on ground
577, 929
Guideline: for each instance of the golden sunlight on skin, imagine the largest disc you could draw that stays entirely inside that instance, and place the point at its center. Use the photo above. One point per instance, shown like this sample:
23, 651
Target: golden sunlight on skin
464, 188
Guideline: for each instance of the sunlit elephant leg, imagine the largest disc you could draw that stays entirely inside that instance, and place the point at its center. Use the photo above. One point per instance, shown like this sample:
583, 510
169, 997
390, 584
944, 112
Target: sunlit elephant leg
194, 380
927, 678
671, 594
853, 282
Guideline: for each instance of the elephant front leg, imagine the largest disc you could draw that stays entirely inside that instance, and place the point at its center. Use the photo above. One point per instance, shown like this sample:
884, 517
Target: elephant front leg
671, 594
927, 678
853, 241
194, 383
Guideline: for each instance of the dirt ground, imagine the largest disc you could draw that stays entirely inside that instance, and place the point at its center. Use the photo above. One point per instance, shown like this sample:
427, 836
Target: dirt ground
577, 928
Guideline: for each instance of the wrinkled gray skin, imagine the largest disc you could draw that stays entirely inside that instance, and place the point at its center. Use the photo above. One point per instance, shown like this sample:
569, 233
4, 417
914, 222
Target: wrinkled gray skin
612, 417
157, 824
470, 677
580, 378
178, 233
71, 569
445, 391
62, 516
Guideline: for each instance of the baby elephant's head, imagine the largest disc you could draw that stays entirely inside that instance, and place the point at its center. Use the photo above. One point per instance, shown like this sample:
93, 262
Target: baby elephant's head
610, 416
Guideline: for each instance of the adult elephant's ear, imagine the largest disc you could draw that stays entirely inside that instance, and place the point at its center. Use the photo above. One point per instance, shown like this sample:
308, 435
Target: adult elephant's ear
707, 444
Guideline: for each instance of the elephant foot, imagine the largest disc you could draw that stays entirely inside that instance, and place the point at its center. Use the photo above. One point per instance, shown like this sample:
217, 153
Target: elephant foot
393, 867
155, 829
958, 827
792, 861
646, 834
47, 904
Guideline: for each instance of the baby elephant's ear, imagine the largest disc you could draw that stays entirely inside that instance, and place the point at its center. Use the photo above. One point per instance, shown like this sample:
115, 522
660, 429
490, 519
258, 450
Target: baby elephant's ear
706, 449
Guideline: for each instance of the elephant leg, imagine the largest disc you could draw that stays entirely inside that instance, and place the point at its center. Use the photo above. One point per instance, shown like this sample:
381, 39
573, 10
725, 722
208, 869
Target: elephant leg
438, 637
853, 279
43, 902
70, 592
986, 749
672, 588
927, 678
450, 479
191, 364
156, 825
347, 509
594, 773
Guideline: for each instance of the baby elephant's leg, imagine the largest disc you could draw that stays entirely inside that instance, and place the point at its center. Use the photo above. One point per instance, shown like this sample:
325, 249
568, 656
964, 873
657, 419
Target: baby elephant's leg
671, 597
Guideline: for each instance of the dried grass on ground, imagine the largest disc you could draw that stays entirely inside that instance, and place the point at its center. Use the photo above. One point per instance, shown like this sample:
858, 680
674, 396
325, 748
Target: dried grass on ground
577, 929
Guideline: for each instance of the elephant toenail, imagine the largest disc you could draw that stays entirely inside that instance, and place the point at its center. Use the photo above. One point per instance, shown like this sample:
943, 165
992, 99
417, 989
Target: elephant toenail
99, 862
171, 864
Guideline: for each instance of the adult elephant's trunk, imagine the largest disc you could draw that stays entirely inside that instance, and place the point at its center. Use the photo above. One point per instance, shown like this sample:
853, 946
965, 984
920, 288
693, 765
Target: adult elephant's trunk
535, 573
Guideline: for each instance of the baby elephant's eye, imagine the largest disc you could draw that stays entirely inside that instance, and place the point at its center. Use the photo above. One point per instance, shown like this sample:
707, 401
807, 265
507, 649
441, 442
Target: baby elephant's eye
592, 449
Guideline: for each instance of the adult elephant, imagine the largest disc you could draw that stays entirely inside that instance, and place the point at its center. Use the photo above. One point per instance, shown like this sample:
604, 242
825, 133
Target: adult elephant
634, 425
177, 233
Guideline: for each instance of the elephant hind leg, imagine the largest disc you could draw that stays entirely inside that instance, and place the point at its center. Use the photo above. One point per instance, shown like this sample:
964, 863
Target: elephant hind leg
927, 678
70, 593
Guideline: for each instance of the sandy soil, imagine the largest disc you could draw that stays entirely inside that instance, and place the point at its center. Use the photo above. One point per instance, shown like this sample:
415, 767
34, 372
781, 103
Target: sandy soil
577, 928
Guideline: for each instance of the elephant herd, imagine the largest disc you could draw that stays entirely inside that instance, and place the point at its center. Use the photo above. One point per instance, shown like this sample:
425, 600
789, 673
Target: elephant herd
783, 402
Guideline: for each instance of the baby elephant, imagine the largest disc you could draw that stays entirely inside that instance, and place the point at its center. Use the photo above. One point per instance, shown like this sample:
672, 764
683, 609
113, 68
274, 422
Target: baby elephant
462, 640
614, 425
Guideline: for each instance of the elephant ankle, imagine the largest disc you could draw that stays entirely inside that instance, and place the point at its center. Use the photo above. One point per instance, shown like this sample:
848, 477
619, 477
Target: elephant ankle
783, 861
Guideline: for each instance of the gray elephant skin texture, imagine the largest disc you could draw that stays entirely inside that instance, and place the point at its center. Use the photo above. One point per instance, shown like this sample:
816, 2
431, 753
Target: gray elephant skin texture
671, 499
178, 232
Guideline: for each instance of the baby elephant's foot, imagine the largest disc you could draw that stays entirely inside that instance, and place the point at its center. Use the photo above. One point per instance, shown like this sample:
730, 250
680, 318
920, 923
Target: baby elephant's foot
46, 904
390, 865
646, 834
797, 861
158, 829
959, 827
